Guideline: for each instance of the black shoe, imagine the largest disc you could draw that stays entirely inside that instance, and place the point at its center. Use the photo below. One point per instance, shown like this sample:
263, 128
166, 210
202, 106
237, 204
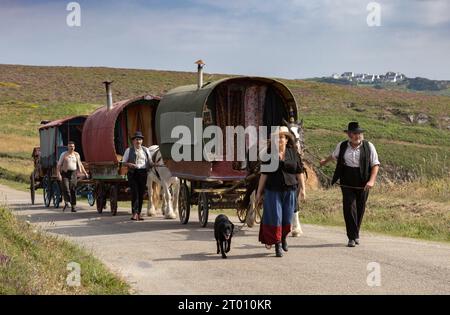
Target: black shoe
73, 209
351, 243
278, 251
284, 244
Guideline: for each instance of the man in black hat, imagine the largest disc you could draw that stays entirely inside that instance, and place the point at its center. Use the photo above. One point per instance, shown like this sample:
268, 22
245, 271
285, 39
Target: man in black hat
138, 160
356, 169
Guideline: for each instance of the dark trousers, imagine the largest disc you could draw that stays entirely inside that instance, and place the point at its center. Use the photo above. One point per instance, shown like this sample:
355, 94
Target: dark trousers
69, 186
353, 201
137, 180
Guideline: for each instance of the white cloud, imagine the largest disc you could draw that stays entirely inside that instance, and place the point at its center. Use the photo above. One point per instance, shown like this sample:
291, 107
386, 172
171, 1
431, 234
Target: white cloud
295, 38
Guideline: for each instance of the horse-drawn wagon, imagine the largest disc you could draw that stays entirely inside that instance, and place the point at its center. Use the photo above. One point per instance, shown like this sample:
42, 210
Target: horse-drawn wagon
107, 133
54, 137
240, 101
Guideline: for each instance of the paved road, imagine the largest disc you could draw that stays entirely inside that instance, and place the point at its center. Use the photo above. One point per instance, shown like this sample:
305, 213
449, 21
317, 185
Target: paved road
159, 256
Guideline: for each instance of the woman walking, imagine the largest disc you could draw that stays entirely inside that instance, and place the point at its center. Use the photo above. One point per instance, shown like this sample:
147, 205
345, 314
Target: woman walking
280, 190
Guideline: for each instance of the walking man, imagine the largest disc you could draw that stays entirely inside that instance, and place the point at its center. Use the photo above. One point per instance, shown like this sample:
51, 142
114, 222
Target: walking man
138, 160
68, 164
356, 169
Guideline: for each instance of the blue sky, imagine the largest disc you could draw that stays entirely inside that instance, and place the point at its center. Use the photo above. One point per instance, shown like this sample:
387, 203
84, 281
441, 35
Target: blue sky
276, 38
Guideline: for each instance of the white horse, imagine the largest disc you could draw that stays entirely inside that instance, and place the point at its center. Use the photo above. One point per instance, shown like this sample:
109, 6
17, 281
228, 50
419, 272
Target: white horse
297, 130
160, 175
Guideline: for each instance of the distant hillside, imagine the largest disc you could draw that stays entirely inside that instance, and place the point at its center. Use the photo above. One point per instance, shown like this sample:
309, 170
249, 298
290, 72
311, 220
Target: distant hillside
411, 130
418, 84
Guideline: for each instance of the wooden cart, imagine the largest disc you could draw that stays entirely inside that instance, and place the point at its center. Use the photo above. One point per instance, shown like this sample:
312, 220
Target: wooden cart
54, 137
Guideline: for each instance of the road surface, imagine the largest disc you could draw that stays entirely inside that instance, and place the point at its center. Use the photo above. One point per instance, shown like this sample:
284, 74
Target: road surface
159, 256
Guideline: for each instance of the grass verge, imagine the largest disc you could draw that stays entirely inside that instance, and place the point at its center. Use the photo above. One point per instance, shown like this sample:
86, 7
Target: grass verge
34, 262
419, 209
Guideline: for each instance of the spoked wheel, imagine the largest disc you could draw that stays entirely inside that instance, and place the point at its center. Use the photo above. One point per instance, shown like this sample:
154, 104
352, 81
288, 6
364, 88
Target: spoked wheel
47, 191
184, 204
90, 196
203, 209
101, 198
32, 188
113, 198
57, 197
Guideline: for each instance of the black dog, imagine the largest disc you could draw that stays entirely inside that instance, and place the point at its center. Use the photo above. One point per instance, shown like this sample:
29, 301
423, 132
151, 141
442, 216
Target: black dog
223, 232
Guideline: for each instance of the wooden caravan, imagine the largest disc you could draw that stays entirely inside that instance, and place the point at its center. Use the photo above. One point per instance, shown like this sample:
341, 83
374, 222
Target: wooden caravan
238, 101
106, 134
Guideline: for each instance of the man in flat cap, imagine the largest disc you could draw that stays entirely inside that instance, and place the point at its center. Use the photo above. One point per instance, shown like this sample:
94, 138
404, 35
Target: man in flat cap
138, 160
356, 169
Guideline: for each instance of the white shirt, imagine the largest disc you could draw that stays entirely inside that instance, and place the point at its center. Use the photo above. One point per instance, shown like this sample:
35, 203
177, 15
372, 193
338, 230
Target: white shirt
69, 163
141, 157
351, 156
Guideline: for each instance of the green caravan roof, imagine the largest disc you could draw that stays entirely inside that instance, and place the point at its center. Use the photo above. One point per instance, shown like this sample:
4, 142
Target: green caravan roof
191, 98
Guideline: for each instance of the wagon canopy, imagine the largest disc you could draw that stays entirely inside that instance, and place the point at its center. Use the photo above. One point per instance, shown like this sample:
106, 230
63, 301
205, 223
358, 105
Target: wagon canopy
107, 133
238, 101
55, 135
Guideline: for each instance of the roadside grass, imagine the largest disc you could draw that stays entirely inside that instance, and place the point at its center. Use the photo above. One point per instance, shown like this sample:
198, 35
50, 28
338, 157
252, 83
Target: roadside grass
418, 209
18, 166
34, 262
16, 185
12, 176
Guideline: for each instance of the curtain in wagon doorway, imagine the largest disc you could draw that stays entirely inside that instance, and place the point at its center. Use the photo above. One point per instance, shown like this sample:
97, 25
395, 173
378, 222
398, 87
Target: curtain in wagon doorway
139, 118
254, 105
274, 109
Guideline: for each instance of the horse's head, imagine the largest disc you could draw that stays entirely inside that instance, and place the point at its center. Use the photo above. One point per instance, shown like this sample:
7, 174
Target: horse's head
296, 128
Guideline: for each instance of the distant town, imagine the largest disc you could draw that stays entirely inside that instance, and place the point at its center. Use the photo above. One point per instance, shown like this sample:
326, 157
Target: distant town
388, 80
389, 77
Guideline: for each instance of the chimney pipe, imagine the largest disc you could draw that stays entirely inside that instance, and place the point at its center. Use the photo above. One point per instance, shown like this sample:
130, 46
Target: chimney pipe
200, 64
109, 103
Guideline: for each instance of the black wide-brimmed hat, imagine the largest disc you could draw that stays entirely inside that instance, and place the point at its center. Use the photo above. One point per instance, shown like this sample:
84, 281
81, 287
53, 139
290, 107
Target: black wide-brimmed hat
137, 134
354, 127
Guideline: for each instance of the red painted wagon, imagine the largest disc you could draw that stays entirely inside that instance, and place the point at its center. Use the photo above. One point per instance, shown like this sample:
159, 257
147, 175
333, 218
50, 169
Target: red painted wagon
106, 134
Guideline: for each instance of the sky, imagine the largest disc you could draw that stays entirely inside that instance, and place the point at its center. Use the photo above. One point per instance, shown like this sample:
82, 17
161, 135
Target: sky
275, 38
